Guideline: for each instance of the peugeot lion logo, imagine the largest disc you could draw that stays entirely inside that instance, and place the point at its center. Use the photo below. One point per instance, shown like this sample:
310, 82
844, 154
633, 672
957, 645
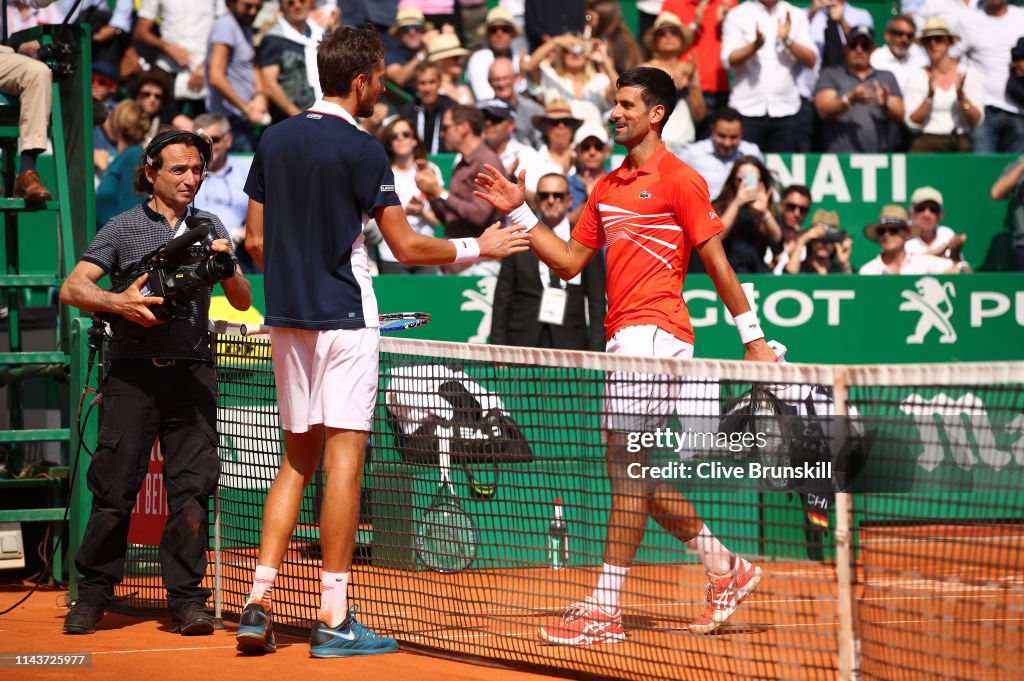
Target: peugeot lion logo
933, 301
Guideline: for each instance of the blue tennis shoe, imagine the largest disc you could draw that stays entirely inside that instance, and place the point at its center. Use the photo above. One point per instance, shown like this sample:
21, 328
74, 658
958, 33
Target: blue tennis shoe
255, 631
347, 639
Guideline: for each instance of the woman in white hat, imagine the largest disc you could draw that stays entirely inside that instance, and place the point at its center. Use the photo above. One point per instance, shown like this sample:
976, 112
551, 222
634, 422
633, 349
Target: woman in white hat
944, 101
445, 50
667, 40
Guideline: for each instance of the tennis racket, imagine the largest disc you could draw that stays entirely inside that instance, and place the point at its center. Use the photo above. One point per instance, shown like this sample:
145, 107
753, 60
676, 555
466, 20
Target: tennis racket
392, 321
766, 419
400, 321
445, 538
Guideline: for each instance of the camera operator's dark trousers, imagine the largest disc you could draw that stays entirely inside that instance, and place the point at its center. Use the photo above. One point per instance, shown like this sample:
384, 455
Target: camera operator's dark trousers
140, 402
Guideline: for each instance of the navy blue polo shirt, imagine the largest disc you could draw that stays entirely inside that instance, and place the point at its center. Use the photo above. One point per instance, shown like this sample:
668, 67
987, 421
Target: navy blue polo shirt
319, 179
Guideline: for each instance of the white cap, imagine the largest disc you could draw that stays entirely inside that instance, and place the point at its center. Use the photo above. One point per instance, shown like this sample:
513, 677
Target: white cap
922, 194
590, 130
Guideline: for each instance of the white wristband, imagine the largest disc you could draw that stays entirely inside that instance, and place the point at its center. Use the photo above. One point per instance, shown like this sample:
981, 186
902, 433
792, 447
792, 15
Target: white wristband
466, 250
749, 326
523, 216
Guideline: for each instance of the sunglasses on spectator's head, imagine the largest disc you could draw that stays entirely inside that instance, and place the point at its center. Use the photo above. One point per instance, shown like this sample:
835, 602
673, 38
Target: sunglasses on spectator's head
544, 196
861, 45
591, 146
412, 27
929, 206
797, 207
103, 81
668, 30
500, 28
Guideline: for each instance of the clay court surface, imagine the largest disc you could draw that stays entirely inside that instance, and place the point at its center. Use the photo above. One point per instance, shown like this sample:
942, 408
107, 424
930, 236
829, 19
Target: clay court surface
922, 616
135, 648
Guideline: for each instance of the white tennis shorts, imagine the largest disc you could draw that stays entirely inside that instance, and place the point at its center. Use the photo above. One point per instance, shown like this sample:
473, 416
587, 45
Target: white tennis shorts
326, 377
642, 402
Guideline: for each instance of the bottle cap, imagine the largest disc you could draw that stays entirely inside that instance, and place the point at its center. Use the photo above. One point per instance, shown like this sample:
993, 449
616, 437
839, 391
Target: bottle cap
558, 500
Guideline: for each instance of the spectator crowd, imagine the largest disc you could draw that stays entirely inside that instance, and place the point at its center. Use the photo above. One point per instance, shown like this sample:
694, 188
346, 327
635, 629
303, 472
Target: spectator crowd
527, 85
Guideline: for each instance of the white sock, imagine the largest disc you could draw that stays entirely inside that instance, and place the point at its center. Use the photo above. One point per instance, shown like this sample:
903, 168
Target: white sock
609, 586
716, 558
334, 598
262, 586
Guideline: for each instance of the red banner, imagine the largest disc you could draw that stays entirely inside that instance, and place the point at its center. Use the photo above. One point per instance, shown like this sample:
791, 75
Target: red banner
150, 513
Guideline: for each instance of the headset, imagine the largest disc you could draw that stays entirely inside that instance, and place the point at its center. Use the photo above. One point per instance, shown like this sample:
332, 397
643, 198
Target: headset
202, 141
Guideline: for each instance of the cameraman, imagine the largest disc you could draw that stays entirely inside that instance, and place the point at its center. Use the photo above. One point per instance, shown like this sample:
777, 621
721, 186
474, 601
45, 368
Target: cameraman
827, 248
160, 383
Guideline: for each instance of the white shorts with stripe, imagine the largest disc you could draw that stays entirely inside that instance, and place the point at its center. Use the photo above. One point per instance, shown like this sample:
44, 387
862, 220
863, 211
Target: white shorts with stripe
642, 402
326, 377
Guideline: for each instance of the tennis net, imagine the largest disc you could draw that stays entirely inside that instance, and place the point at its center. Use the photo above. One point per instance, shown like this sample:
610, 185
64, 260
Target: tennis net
884, 504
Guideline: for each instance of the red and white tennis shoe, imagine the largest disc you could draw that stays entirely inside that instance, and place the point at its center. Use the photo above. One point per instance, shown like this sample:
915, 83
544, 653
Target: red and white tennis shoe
724, 594
586, 623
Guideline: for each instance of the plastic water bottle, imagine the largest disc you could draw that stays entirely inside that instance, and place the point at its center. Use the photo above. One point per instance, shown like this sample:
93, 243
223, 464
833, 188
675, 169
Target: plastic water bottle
558, 539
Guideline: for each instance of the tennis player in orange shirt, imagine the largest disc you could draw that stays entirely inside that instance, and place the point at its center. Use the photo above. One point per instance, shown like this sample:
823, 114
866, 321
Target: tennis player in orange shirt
649, 214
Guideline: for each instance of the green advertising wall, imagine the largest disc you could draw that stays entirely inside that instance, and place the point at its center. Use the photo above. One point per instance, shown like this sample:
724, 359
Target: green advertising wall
846, 319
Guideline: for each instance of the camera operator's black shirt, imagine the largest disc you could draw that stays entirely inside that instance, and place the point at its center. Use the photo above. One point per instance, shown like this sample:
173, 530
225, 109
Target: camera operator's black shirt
117, 248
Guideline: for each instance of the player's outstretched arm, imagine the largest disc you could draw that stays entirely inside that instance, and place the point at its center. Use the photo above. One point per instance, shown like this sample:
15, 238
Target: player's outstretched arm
731, 293
565, 259
416, 249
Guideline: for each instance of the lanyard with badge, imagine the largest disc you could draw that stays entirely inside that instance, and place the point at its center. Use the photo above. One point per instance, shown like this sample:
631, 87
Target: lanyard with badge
554, 298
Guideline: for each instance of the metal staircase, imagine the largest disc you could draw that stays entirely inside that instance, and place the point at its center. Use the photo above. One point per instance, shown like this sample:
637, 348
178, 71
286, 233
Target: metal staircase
66, 49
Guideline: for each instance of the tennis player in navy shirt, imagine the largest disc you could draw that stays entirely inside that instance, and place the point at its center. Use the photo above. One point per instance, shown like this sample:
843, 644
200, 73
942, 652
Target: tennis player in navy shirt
315, 181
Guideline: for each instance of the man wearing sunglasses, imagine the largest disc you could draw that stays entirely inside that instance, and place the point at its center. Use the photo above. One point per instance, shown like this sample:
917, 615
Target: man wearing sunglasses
926, 212
406, 48
533, 307
900, 55
499, 31
861, 109
891, 233
592, 151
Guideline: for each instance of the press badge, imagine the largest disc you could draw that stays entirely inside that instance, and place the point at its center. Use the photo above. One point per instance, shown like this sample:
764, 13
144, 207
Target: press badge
552, 306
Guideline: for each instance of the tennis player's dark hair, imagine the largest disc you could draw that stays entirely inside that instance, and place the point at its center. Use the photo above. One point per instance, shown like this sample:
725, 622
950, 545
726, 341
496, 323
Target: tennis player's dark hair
344, 54
656, 88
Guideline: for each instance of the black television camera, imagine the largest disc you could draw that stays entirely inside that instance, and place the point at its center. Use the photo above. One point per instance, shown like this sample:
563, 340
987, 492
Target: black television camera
168, 278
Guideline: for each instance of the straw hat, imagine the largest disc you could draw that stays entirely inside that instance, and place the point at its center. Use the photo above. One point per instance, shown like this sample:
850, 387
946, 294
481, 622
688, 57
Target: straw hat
556, 110
499, 16
936, 25
445, 45
409, 16
667, 19
892, 215
825, 217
